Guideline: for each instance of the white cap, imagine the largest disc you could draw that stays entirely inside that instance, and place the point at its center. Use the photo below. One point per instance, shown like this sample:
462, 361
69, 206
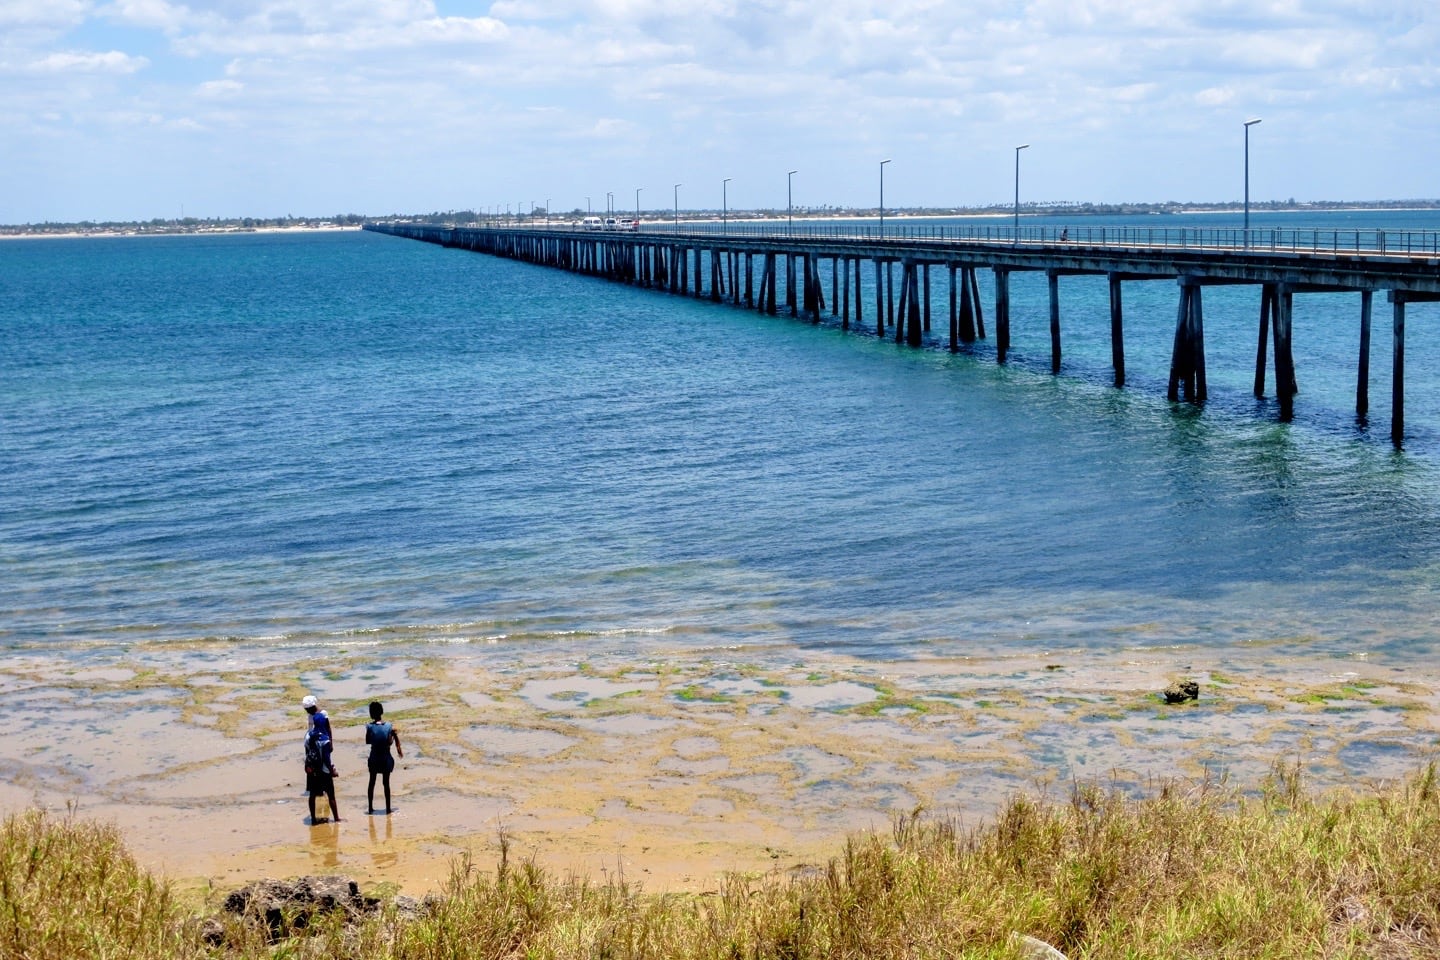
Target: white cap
309, 702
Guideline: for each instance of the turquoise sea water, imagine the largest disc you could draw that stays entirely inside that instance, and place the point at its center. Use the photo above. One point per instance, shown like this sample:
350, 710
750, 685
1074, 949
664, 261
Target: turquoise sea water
309, 439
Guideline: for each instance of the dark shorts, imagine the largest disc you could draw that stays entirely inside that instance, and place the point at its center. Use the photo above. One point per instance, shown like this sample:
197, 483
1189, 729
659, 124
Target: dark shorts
319, 783
385, 765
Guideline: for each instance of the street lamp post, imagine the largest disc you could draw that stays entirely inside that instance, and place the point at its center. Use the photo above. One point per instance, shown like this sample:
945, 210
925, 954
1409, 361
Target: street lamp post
724, 203
547, 213
1017, 190
882, 198
677, 206
637, 208
1248, 125
587, 206
789, 202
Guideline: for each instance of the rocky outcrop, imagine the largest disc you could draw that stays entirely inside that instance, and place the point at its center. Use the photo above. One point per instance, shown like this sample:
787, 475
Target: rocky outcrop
287, 907
1182, 690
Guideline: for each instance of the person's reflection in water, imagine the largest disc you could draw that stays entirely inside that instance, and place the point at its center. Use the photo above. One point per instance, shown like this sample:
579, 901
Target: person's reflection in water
382, 851
325, 844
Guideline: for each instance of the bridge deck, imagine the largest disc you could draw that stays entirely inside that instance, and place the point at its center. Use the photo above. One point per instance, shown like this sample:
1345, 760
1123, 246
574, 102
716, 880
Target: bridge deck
1404, 266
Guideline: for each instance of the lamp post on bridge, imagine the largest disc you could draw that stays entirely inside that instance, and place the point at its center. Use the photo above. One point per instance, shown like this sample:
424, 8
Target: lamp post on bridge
547, 213
1017, 191
1248, 125
587, 206
724, 203
637, 208
677, 207
882, 197
789, 203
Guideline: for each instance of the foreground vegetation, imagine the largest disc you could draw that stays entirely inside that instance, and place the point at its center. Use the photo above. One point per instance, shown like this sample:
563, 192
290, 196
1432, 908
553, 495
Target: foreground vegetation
1193, 871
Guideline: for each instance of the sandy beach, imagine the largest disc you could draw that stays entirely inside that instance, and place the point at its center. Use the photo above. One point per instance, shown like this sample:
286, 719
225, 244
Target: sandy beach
667, 766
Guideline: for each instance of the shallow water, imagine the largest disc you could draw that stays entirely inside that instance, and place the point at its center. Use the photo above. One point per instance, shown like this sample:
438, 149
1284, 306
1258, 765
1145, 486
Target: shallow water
354, 439
641, 574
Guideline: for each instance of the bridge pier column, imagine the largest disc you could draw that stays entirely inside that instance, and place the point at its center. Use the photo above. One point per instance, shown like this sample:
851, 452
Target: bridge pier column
1002, 313
770, 271
954, 314
972, 273
1053, 279
1187, 359
1397, 378
926, 281
879, 299
808, 287
907, 270
790, 300
890, 291
859, 297
820, 290
969, 302
1117, 331
845, 306
1268, 308
1362, 372
914, 321
1397, 372
1282, 312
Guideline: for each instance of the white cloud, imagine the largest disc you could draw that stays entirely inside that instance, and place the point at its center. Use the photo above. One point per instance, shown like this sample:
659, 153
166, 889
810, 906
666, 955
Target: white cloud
1215, 96
154, 14
42, 13
112, 61
651, 84
272, 36
220, 88
455, 30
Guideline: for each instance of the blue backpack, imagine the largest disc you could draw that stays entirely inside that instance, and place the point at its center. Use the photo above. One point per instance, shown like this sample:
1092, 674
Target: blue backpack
314, 755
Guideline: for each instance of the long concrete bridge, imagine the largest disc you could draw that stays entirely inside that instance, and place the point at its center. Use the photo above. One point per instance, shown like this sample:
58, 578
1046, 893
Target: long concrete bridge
742, 264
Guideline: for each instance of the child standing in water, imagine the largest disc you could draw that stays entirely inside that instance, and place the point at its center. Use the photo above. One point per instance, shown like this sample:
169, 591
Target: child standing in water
380, 735
320, 772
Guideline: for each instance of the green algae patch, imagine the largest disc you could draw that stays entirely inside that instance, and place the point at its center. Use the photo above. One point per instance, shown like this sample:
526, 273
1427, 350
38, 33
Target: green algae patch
697, 694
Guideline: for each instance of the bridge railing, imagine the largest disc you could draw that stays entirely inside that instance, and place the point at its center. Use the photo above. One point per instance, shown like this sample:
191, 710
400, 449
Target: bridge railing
1317, 240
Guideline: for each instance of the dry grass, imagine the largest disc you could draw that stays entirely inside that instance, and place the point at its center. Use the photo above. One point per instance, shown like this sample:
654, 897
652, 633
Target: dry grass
1194, 871
69, 889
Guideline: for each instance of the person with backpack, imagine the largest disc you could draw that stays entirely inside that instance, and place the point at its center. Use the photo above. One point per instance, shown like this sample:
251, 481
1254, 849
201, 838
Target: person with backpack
380, 735
320, 772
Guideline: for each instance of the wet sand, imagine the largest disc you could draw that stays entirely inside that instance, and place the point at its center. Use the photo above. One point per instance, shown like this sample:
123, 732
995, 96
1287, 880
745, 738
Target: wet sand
665, 766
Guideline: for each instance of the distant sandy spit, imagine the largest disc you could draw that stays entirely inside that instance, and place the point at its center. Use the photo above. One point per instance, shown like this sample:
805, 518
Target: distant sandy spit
171, 233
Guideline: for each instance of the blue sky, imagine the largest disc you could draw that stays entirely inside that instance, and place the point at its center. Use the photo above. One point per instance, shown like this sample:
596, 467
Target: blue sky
132, 109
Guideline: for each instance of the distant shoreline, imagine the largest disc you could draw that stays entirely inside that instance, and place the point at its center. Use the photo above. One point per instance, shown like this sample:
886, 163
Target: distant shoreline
209, 232
466, 218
